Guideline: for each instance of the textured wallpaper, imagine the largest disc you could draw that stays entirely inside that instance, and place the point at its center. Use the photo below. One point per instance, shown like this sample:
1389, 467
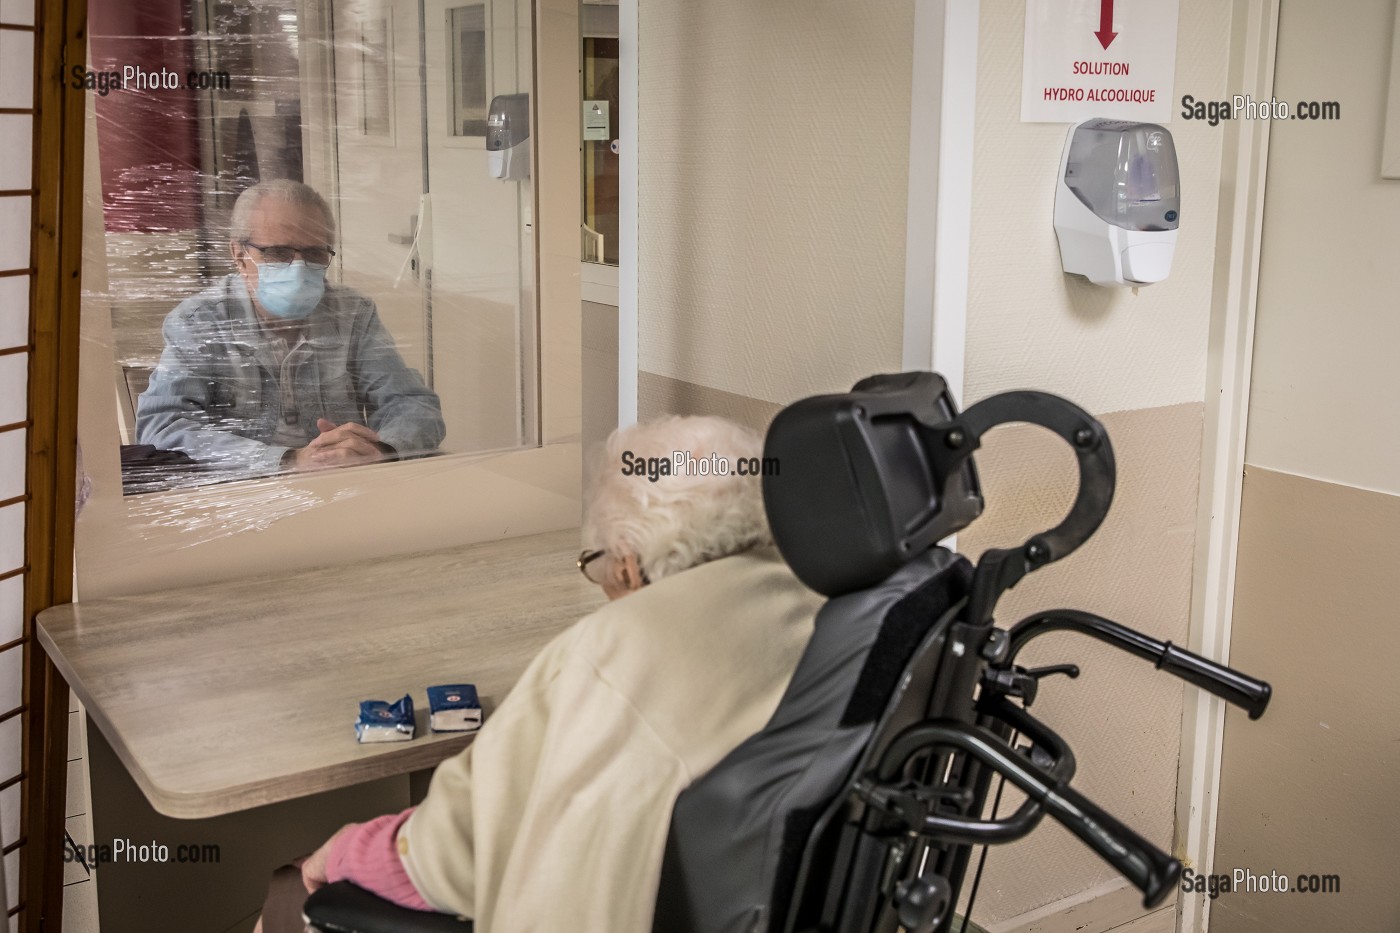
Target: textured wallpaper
1121, 717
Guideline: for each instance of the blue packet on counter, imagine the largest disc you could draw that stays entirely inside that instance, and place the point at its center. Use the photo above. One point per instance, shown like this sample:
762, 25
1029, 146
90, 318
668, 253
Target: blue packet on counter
455, 708
385, 722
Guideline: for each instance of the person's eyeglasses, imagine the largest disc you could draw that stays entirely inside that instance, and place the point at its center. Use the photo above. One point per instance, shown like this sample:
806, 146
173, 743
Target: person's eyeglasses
595, 570
311, 255
589, 559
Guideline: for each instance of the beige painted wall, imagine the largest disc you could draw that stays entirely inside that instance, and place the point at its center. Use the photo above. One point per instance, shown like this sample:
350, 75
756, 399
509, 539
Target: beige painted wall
772, 267
1122, 718
599, 395
773, 165
1309, 788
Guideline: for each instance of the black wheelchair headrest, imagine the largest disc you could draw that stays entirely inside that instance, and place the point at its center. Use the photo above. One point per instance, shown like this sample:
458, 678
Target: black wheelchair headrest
869, 479
858, 491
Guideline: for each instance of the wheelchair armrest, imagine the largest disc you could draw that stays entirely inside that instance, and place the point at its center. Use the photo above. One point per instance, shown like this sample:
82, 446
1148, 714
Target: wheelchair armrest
345, 908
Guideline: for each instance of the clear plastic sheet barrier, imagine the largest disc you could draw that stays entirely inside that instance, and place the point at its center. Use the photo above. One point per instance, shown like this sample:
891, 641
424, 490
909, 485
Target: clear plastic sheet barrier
305, 250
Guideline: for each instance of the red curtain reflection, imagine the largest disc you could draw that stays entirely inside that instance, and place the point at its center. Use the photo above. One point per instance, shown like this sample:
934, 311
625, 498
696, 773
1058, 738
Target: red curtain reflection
148, 144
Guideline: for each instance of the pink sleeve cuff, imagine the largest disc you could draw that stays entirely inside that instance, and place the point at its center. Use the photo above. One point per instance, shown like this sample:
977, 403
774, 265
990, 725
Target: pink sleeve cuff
367, 854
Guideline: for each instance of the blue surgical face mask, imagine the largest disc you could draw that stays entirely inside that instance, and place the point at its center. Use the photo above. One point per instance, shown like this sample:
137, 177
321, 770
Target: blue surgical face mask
290, 290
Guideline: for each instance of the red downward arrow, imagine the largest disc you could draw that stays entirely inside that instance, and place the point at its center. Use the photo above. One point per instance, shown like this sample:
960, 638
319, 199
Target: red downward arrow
1106, 34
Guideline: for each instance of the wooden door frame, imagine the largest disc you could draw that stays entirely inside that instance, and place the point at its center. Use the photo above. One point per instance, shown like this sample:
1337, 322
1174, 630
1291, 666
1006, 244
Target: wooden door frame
55, 285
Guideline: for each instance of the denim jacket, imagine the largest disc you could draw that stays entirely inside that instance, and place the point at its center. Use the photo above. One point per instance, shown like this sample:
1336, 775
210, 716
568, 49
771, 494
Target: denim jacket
217, 394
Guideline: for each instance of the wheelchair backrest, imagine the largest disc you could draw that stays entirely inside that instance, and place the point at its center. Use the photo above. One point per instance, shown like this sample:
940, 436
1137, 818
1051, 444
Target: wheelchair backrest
856, 509
739, 833
788, 833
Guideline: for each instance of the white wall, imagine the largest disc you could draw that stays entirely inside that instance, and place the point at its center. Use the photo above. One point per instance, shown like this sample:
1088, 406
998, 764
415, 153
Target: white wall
1325, 379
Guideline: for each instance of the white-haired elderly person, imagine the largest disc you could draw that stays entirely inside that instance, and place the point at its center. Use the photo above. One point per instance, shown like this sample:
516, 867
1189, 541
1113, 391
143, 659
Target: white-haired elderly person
272, 368
556, 817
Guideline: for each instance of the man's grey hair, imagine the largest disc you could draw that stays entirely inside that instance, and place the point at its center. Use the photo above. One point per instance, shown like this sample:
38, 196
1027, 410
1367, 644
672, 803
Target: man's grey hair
281, 189
678, 521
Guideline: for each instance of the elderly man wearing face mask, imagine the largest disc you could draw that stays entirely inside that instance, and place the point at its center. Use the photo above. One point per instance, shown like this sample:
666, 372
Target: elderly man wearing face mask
556, 817
272, 368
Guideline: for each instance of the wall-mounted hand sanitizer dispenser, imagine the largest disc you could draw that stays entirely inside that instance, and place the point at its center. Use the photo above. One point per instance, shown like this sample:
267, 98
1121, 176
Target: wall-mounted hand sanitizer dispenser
1118, 202
508, 137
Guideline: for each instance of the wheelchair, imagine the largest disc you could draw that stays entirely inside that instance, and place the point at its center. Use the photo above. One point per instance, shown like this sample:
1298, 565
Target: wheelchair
858, 806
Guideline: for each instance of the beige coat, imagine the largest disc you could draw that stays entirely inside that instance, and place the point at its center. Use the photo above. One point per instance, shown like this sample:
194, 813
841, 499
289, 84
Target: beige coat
555, 818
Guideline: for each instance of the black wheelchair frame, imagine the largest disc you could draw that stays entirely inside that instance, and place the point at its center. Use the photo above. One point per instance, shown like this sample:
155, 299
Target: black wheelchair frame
893, 851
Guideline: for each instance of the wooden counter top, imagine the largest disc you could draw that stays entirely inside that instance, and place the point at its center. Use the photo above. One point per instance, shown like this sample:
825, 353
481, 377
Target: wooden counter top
235, 695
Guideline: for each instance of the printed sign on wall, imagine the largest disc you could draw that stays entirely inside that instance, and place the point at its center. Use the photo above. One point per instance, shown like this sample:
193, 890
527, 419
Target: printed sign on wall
595, 119
1098, 58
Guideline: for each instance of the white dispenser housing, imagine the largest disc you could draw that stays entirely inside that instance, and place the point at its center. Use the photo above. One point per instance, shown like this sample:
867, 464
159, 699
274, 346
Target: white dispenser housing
508, 137
1118, 202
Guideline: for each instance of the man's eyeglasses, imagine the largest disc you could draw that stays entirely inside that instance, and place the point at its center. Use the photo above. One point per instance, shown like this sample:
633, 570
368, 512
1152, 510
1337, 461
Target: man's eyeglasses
311, 255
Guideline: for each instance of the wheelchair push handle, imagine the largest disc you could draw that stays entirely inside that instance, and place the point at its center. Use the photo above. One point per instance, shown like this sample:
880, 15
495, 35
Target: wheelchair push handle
1249, 693
1152, 871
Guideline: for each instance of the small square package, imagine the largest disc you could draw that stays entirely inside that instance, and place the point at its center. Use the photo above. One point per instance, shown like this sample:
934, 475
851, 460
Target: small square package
385, 722
455, 708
